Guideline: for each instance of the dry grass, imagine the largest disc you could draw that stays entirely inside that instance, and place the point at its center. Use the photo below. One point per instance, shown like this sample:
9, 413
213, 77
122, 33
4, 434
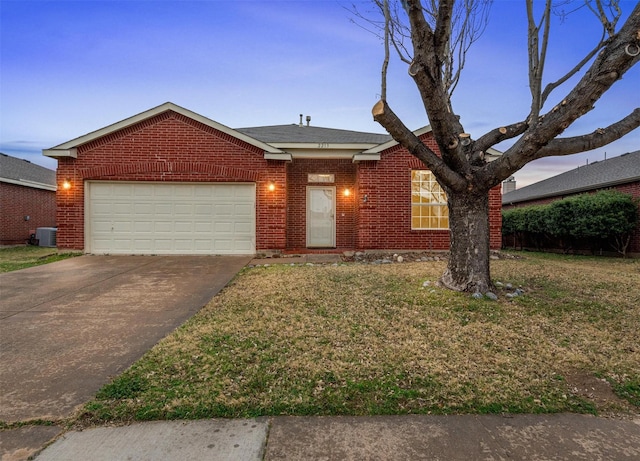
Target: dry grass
24, 256
366, 339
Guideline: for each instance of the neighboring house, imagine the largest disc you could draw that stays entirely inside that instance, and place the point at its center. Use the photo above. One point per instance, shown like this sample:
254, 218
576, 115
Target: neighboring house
27, 199
619, 173
170, 181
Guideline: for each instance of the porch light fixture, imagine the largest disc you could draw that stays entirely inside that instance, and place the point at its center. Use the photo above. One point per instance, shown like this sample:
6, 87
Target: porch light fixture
66, 184
271, 187
347, 192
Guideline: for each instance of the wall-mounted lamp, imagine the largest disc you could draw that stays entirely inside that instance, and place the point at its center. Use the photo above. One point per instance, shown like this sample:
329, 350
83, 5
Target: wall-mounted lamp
347, 192
365, 198
27, 218
66, 184
271, 187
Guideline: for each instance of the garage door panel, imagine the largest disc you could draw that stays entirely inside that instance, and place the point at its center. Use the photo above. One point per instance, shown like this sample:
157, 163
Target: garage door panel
161, 218
162, 227
140, 190
204, 227
242, 228
143, 226
203, 210
183, 209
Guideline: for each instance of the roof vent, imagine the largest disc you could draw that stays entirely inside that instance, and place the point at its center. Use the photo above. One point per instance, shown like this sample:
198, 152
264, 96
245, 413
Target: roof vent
308, 120
301, 120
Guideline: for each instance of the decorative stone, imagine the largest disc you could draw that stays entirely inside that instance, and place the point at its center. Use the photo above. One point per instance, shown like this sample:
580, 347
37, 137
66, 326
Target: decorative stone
477, 295
400, 259
491, 296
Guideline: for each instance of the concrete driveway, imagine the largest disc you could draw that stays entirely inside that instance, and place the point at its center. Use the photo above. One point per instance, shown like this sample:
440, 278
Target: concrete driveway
67, 328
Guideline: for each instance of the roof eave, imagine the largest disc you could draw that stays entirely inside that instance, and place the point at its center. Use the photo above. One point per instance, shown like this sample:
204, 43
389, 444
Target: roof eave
573, 191
27, 183
59, 151
323, 145
56, 153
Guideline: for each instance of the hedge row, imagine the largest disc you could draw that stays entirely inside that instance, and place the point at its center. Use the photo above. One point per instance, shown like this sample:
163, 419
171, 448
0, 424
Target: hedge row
606, 217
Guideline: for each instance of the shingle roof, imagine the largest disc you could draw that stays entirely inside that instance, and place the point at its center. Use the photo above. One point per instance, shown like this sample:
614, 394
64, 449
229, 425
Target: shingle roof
616, 170
18, 171
311, 134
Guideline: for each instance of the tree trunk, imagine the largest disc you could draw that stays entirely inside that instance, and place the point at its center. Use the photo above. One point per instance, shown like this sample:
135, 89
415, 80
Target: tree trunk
468, 268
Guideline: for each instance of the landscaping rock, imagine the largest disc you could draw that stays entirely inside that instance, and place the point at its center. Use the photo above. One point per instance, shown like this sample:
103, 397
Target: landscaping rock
492, 296
477, 295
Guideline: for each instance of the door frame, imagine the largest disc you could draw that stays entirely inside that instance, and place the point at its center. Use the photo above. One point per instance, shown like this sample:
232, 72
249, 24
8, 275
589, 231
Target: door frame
308, 217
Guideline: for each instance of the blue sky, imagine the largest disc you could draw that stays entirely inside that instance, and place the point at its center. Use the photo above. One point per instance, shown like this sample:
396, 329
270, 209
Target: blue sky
72, 67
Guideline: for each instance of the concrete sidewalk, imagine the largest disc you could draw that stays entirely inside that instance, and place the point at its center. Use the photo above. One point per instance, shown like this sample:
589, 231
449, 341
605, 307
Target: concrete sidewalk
413, 437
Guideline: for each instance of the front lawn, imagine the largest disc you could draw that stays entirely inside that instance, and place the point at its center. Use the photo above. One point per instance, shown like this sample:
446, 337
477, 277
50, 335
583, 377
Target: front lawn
22, 257
360, 339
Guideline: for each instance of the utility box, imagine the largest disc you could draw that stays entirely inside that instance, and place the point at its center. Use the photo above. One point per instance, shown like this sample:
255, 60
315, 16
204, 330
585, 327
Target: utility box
46, 236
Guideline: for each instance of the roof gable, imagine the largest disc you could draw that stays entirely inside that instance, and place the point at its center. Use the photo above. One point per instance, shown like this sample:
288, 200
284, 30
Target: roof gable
22, 172
610, 172
69, 148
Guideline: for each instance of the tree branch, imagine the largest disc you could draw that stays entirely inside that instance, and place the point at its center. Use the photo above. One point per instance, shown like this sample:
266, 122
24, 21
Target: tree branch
537, 55
513, 159
598, 138
383, 114
500, 134
385, 63
442, 33
552, 86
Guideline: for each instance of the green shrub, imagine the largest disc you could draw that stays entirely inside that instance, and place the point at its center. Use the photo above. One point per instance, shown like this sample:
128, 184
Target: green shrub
606, 216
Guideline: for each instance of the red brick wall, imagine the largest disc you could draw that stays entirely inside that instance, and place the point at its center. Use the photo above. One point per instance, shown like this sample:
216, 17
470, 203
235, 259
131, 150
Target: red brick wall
632, 189
170, 147
16, 202
384, 220
345, 175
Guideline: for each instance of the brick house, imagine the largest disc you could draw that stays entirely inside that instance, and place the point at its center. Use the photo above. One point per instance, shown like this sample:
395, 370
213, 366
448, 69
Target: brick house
618, 173
170, 181
27, 199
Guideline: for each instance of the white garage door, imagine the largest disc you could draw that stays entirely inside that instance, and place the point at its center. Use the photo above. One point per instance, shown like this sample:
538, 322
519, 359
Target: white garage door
163, 218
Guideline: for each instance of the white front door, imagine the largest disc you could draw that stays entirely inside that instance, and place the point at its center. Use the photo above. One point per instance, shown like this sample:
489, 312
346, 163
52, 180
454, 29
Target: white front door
321, 216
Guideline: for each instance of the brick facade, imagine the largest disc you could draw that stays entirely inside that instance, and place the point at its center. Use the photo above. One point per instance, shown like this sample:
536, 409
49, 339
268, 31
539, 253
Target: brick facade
344, 172
384, 219
173, 147
18, 201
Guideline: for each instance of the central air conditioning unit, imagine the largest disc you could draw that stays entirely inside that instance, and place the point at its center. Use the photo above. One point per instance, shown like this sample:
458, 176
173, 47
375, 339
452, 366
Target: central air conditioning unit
46, 236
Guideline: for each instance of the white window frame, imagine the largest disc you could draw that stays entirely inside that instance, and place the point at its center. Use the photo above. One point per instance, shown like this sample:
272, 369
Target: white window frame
429, 200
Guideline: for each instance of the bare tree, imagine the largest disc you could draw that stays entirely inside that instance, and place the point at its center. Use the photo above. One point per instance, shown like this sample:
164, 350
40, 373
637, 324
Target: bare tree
433, 37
